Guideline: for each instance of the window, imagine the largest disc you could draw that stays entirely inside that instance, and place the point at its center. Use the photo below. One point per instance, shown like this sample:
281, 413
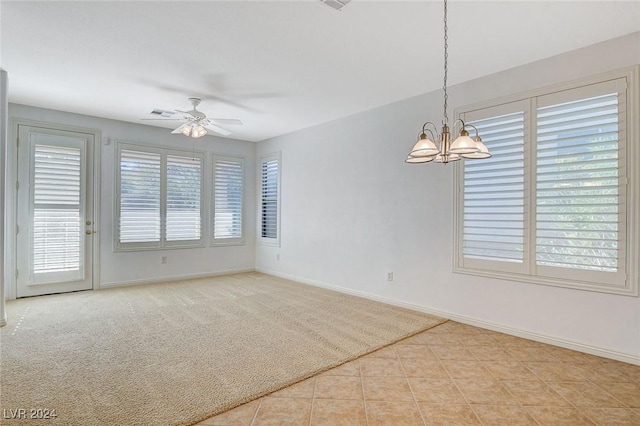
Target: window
554, 203
270, 199
228, 184
159, 201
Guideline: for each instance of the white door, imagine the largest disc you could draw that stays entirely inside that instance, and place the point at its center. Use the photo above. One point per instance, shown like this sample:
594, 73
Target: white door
55, 211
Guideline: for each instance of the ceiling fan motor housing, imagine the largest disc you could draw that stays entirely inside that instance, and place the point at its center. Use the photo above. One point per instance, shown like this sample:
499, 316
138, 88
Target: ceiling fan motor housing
197, 115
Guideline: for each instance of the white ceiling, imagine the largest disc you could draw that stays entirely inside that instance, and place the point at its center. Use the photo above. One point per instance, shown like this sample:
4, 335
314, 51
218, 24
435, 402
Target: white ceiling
278, 66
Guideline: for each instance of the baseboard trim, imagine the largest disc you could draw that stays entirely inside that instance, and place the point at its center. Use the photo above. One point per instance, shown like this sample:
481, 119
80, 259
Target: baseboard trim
174, 278
538, 337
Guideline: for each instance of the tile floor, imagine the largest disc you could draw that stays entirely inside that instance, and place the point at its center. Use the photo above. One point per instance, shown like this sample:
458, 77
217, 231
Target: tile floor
456, 374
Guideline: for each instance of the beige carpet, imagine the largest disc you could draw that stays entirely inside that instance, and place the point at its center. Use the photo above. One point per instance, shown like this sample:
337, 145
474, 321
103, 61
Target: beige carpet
176, 353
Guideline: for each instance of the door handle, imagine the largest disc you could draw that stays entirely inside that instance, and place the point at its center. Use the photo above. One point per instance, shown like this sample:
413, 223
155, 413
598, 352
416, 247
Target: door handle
88, 232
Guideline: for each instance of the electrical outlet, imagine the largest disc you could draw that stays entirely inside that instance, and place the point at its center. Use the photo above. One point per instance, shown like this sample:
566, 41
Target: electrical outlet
164, 260
389, 276
277, 256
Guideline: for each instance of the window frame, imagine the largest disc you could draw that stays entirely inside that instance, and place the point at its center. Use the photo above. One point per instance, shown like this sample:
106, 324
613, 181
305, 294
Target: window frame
162, 244
629, 193
267, 241
218, 242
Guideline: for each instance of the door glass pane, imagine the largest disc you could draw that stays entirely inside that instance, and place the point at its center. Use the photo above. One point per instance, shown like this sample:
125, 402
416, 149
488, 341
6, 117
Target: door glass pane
57, 243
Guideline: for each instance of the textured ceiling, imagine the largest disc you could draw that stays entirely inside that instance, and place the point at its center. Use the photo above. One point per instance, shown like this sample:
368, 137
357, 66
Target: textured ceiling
277, 66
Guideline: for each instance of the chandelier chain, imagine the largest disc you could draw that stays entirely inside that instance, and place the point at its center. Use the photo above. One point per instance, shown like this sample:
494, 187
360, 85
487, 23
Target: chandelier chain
446, 67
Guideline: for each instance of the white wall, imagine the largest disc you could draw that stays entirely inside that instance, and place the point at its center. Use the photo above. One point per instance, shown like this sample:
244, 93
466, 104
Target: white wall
353, 210
117, 268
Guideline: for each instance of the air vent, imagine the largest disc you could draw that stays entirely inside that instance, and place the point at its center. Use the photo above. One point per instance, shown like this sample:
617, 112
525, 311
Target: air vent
336, 4
162, 113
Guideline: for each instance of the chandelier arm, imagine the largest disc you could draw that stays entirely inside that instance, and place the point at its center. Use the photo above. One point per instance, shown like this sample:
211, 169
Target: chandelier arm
453, 126
424, 127
472, 126
433, 138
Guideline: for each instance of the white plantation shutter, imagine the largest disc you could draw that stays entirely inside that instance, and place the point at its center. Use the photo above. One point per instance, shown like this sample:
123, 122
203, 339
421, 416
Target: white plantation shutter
57, 241
493, 193
554, 204
160, 199
228, 177
139, 197
577, 185
579, 214
184, 192
269, 195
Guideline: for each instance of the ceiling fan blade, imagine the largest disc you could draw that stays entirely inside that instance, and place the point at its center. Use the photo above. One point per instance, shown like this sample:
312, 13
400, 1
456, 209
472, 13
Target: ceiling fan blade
162, 119
227, 121
186, 113
217, 129
179, 129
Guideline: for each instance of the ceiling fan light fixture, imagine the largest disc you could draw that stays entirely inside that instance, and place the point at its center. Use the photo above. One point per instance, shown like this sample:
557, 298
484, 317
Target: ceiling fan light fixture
198, 131
193, 130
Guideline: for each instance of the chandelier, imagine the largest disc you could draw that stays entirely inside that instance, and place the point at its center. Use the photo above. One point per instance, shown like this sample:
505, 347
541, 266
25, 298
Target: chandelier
464, 146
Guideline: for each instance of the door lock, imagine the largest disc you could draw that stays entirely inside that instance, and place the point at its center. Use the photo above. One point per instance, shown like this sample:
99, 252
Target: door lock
89, 232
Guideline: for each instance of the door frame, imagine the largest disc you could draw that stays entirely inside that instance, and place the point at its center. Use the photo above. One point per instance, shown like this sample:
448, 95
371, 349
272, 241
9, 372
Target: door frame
11, 196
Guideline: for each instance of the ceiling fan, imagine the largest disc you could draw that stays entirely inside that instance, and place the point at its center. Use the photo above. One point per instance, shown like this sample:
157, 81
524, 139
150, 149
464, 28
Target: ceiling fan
196, 124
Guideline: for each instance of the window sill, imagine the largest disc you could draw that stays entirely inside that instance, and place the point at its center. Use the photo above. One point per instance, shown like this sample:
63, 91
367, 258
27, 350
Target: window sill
628, 290
218, 243
159, 248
